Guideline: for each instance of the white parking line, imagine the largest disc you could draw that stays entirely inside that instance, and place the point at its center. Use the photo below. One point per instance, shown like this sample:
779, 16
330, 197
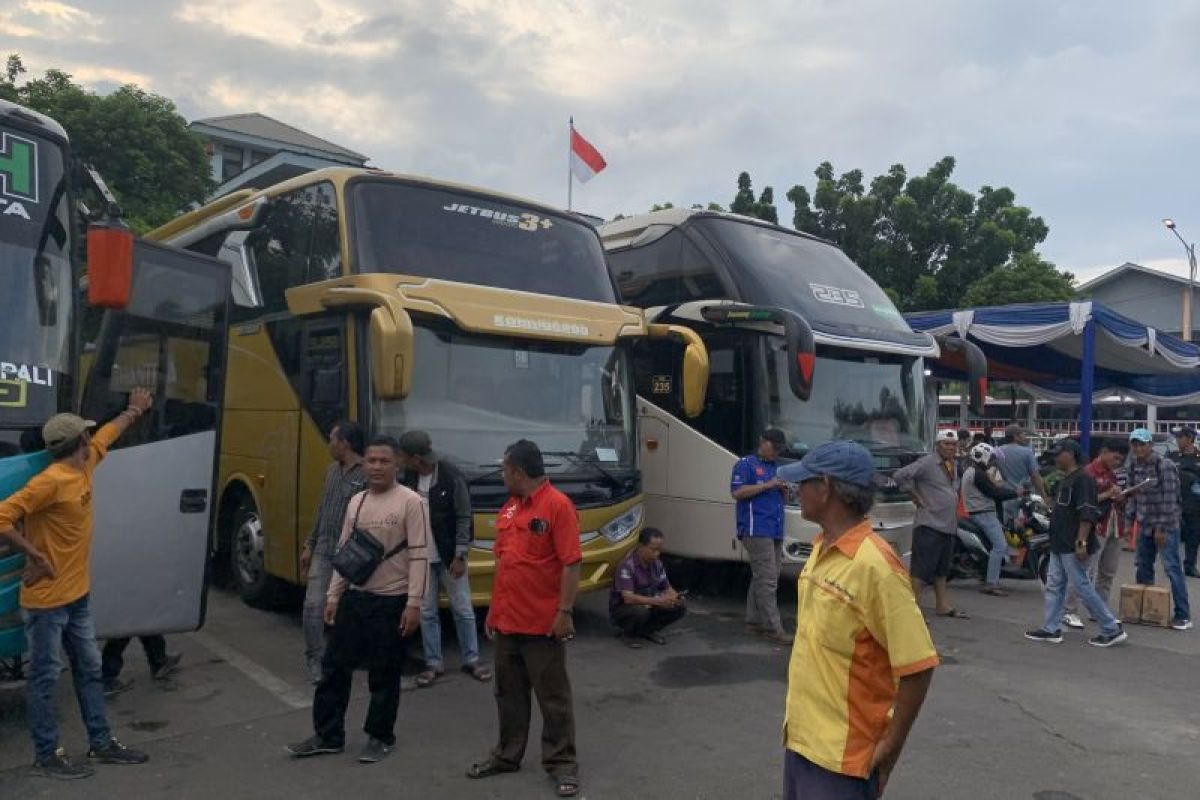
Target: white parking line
256, 672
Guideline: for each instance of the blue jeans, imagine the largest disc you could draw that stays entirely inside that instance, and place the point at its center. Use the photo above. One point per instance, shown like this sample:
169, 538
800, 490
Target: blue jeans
459, 592
48, 632
1066, 569
320, 573
1146, 552
991, 525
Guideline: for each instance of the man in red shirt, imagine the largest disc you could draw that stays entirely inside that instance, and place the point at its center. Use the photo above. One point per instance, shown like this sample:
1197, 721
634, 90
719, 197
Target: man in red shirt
1108, 491
533, 598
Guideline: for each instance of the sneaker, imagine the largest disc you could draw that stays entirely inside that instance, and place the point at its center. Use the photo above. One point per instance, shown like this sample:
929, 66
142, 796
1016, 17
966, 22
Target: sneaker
313, 746
1043, 635
114, 686
167, 667
374, 752
60, 767
1181, 624
1191, 572
116, 753
1104, 640
1072, 621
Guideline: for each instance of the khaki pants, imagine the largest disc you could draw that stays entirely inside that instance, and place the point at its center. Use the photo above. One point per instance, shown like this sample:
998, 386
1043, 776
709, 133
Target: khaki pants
766, 560
1101, 567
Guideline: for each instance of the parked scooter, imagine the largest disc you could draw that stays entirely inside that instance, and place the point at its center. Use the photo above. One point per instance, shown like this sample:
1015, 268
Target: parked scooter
1028, 536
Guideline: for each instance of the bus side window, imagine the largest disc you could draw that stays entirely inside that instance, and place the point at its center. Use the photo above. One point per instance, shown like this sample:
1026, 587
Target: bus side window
297, 244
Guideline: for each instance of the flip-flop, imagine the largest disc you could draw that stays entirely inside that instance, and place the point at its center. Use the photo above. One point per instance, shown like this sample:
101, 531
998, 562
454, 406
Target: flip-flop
486, 769
953, 613
568, 786
427, 678
478, 672
631, 643
994, 591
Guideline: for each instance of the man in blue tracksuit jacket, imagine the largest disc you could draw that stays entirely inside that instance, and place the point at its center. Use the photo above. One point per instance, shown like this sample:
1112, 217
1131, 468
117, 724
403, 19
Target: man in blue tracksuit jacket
760, 497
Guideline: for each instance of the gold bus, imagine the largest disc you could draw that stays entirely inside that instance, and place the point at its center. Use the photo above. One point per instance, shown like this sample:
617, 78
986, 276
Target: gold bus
408, 303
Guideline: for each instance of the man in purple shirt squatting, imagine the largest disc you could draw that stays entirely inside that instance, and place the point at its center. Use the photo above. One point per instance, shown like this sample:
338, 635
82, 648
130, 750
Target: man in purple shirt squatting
642, 601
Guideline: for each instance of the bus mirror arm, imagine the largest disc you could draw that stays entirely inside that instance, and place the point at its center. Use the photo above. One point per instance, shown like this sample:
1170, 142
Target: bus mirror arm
797, 334
390, 330
694, 366
975, 365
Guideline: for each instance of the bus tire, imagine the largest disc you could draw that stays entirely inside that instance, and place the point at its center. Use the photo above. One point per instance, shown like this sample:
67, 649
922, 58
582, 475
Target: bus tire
247, 551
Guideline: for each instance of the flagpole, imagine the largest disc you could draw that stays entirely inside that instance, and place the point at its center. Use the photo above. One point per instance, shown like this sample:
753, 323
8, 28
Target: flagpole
570, 128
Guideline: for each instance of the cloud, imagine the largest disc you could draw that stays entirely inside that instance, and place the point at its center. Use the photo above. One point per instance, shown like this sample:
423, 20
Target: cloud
48, 20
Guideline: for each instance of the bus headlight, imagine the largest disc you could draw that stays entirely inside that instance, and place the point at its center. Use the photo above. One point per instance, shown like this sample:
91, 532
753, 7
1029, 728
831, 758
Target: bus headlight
623, 526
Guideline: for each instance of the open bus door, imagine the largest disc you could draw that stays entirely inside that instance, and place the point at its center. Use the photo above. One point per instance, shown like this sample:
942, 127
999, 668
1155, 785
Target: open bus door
154, 491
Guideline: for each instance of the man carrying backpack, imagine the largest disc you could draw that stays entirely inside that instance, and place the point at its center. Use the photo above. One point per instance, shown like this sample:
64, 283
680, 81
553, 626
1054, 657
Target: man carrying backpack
1187, 461
1154, 503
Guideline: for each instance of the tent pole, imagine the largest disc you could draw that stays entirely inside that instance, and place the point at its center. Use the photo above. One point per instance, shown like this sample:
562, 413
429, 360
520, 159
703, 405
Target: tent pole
1087, 378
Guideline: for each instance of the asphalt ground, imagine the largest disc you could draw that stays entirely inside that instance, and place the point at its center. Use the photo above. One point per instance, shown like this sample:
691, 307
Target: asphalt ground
697, 718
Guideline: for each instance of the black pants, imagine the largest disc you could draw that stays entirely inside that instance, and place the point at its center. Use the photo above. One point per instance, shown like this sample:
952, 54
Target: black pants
113, 657
366, 633
537, 665
1190, 534
644, 620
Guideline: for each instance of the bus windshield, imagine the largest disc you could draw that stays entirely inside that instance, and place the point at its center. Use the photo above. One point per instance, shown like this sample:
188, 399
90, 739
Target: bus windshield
415, 230
36, 290
875, 400
476, 395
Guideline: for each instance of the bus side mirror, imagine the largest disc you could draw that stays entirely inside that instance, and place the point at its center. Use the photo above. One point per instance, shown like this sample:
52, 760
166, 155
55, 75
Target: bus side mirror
694, 366
109, 265
801, 353
390, 330
967, 355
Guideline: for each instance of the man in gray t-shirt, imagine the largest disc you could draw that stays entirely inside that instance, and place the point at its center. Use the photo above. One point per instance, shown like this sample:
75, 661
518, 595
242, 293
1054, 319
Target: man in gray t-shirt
1018, 465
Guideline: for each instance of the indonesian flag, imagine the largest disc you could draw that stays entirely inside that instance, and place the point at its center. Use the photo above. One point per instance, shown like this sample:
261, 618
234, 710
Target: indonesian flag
586, 160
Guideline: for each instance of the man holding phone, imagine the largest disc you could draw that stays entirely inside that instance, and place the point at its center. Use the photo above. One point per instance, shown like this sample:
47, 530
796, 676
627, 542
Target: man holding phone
642, 601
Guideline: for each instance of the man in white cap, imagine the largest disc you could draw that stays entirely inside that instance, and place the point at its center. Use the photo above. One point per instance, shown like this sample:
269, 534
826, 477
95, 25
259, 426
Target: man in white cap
55, 511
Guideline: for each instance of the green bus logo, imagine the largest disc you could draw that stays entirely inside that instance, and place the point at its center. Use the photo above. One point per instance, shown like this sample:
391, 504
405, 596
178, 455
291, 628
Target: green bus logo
18, 168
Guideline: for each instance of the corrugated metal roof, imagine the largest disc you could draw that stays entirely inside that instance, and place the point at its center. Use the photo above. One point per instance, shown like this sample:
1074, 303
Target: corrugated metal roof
256, 124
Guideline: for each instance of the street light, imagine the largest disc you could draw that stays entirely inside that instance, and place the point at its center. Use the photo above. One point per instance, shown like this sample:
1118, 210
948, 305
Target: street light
1190, 249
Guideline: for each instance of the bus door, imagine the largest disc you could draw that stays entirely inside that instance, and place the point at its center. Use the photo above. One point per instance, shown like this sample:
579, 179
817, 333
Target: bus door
154, 492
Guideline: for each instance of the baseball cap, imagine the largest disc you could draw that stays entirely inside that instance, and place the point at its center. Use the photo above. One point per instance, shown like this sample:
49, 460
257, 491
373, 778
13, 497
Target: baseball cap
846, 461
1186, 431
1067, 445
947, 436
417, 443
63, 428
1141, 435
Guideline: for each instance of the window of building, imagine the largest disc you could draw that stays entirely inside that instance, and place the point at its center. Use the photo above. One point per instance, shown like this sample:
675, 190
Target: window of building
231, 162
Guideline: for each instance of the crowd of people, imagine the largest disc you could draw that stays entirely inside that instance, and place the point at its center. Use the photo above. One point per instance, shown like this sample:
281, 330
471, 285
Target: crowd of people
393, 531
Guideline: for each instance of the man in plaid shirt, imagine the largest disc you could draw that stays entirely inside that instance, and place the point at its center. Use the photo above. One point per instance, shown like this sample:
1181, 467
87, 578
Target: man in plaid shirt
1156, 508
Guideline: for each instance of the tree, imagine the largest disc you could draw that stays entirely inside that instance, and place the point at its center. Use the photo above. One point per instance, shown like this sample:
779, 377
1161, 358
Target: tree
1026, 279
922, 237
137, 140
745, 204
661, 206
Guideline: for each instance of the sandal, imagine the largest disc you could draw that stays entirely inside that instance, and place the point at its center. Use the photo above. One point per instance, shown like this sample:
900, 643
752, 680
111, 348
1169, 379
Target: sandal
994, 591
631, 643
953, 613
657, 638
478, 672
486, 769
427, 678
568, 786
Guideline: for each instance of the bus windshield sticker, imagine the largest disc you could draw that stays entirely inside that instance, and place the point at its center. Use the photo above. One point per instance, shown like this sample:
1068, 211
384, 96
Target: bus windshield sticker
521, 359
24, 373
13, 394
836, 296
660, 384
524, 222
887, 311
606, 454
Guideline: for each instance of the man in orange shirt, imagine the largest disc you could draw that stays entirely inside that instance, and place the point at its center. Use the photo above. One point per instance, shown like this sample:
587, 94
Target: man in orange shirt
533, 598
55, 511
862, 660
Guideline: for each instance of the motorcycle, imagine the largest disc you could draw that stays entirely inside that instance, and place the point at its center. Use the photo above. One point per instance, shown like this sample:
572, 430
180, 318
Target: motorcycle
1028, 537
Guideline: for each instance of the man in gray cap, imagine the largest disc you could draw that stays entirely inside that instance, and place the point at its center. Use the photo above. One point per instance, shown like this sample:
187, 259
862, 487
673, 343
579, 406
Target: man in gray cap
1018, 465
55, 511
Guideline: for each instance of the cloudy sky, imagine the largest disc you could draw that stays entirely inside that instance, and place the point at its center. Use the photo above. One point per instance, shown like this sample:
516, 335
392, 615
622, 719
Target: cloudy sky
1087, 110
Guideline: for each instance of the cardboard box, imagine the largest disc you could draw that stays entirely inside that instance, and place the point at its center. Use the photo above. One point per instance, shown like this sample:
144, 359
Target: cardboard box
1156, 606
1131, 602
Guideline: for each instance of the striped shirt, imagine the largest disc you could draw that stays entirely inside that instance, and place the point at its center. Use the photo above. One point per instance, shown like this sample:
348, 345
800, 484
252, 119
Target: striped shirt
340, 485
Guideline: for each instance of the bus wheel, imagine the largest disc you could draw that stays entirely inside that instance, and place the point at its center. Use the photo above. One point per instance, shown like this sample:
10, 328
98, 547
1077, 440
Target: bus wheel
247, 548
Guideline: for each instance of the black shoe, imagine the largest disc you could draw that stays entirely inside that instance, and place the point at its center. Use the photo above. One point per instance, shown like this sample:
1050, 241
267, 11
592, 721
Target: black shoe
374, 752
114, 686
1105, 640
60, 767
1043, 635
1192, 572
313, 746
167, 667
116, 753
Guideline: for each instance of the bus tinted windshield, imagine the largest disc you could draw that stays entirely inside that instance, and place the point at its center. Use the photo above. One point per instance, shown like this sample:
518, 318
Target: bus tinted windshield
774, 267
36, 283
414, 230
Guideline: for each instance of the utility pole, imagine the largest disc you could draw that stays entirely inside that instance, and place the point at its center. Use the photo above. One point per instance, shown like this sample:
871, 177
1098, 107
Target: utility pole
1190, 249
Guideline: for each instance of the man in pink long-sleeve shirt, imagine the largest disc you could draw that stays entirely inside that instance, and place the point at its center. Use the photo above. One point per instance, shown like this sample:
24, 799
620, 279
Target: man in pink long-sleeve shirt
371, 621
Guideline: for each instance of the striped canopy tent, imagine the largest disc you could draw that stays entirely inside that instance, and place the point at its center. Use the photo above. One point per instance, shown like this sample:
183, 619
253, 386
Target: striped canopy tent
1071, 352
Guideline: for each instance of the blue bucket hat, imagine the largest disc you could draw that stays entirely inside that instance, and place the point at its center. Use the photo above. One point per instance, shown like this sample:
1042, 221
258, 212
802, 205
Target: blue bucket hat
846, 461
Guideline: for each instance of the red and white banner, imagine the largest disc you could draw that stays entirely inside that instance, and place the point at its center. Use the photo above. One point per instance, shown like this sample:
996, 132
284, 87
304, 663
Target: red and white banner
586, 160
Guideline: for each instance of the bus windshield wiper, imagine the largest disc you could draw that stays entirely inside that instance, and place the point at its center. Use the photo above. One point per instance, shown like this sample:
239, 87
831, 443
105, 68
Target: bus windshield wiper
481, 477
594, 463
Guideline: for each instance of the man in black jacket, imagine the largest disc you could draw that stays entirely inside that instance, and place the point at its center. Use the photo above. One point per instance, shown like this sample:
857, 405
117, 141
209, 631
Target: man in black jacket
1188, 462
448, 500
